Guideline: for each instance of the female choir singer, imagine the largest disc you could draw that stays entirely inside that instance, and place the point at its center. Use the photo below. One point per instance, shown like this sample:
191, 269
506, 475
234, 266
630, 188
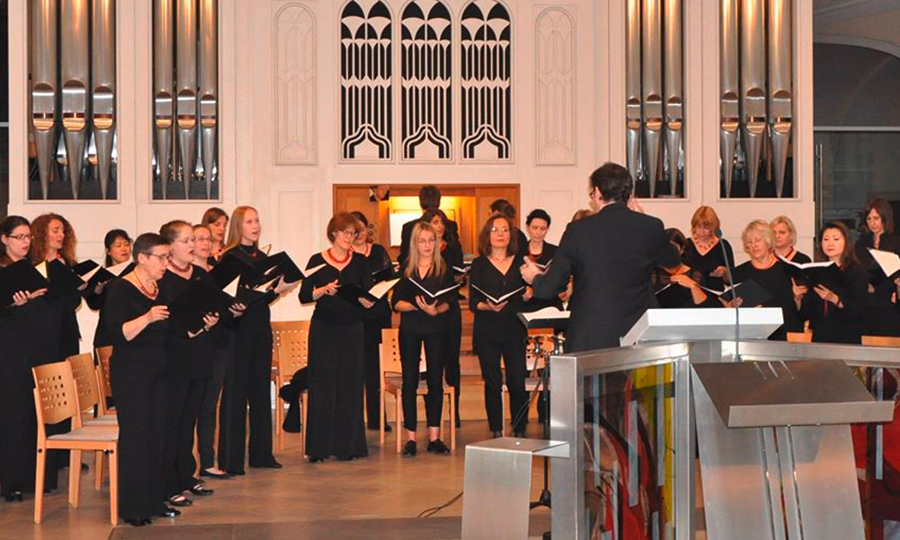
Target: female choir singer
336, 350
496, 331
786, 240
835, 316
249, 377
374, 320
216, 220
680, 286
882, 318
118, 251
27, 316
703, 253
136, 315
422, 320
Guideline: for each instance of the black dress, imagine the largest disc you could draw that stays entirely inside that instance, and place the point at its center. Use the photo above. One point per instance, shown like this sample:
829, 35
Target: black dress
64, 304
882, 318
452, 254
188, 371
671, 295
798, 257
248, 379
29, 336
708, 262
336, 363
137, 373
778, 284
831, 324
374, 321
543, 258
500, 334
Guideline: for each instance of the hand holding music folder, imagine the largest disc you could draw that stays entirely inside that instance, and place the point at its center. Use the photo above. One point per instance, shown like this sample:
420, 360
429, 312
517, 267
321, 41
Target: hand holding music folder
384, 274
200, 298
548, 317
498, 300
751, 293
63, 279
20, 276
433, 297
888, 262
352, 293
674, 295
827, 274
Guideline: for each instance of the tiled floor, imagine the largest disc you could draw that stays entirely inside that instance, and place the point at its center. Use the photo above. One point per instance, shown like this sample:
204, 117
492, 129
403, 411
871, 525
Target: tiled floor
376, 497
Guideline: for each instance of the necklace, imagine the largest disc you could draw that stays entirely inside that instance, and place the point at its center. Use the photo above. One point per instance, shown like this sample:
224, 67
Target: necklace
144, 291
339, 261
500, 260
185, 270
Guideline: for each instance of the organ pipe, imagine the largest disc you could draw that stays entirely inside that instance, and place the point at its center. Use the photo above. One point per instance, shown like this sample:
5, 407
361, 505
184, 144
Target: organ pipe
44, 87
186, 88
163, 86
209, 67
753, 84
103, 75
651, 49
74, 68
780, 94
729, 63
672, 83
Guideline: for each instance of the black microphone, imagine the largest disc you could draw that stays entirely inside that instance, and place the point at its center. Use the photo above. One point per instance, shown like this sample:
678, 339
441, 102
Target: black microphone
737, 311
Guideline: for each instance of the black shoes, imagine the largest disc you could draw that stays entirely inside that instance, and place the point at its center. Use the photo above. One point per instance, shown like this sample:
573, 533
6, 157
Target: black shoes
387, 427
437, 446
180, 501
520, 434
270, 465
409, 449
219, 476
316, 460
201, 491
497, 434
169, 512
15, 496
138, 522
234, 472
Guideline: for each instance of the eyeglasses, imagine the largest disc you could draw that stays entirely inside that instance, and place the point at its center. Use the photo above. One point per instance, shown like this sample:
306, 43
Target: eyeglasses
187, 240
21, 237
202, 239
350, 234
503, 230
161, 258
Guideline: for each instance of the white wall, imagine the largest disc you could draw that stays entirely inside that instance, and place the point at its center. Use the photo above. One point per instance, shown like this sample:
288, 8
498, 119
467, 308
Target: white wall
295, 200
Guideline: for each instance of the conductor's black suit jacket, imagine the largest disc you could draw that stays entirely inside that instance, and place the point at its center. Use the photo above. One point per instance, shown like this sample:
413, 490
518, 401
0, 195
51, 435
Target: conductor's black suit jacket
610, 255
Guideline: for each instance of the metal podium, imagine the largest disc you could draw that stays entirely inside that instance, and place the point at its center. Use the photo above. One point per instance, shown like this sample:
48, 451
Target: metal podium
775, 454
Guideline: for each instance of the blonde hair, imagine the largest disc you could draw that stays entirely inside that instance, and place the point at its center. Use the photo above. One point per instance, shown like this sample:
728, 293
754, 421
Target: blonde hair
234, 226
761, 227
705, 216
438, 266
786, 221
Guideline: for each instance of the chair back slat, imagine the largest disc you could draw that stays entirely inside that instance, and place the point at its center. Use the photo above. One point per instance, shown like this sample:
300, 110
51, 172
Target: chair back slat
103, 356
55, 388
289, 346
881, 341
85, 375
390, 351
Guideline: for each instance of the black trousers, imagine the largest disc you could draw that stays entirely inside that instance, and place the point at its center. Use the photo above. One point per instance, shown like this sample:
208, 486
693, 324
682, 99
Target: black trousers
139, 389
513, 354
371, 352
410, 354
209, 404
247, 381
184, 395
451, 355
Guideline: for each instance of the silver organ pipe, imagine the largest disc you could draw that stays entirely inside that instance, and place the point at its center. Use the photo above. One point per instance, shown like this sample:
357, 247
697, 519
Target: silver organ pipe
44, 87
633, 119
753, 86
208, 87
103, 75
674, 88
186, 88
163, 87
729, 105
651, 49
75, 74
780, 88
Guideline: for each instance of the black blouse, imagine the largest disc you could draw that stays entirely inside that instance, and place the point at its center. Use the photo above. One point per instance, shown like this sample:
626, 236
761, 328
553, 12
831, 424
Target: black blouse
670, 295
124, 302
799, 257
707, 263
777, 283
29, 336
831, 324
190, 357
545, 256
490, 326
65, 304
417, 321
380, 314
334, 309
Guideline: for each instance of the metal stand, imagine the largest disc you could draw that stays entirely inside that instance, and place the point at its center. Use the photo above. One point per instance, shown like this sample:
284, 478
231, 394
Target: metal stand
544, 499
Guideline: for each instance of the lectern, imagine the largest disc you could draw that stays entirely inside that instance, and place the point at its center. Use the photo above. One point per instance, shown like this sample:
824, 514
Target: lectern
694, 324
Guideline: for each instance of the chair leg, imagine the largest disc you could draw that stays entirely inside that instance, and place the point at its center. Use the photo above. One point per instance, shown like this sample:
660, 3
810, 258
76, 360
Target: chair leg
98, 470
398, 414
279, 432
381, 413
452, 399
39, 485
113, 486
303, 425
503, 413
74, 477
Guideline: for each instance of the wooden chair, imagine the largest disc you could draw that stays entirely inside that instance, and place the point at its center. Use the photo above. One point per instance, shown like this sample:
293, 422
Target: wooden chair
881, 341
89, 400
392, 383
103, 355
805, 336
291, 353
56, 400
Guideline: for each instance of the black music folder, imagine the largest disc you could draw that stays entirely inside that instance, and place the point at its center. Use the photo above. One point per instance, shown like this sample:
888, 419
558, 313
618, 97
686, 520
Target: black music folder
186, 312
498, 299
20, 276
828, 274
436, 295
752, 293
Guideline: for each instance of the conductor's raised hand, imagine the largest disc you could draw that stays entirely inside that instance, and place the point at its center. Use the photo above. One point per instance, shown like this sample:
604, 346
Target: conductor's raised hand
529, 271
157, 313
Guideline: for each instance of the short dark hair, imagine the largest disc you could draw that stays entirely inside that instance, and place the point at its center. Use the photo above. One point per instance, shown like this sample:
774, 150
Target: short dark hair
7, 226
537, 213
484, 237
884, 211
144, 244
429, 197
110, 239
503, 206
676, 238
614, 182
361, 217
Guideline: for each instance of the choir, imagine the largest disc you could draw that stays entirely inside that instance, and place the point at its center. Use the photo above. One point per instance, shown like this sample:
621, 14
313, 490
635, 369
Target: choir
176, 367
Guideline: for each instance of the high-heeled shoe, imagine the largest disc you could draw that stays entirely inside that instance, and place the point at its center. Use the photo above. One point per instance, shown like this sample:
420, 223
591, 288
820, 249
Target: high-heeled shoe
410, 449
180, 501
437, 446
138, 522
201, 491
170, 512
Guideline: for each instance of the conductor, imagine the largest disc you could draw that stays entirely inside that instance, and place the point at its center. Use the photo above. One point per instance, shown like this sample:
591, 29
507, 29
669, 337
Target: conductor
610, 256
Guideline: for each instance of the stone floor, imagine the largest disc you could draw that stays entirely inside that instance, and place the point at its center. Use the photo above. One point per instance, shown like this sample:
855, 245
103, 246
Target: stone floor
376, 497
